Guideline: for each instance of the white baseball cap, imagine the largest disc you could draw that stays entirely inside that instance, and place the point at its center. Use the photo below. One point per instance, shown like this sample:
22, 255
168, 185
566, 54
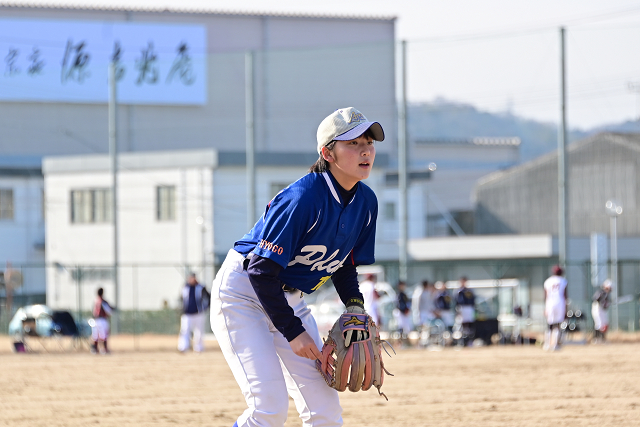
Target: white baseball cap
346, 124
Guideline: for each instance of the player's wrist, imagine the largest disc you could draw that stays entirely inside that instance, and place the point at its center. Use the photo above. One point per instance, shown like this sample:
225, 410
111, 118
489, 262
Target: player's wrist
355, 302
294, 333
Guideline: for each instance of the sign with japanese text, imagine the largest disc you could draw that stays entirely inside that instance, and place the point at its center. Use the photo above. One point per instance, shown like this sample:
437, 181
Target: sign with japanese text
68, 61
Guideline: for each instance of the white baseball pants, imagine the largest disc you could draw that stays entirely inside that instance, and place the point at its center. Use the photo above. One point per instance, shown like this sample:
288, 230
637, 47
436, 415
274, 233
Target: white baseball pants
600, 317
555, 313
100, 332
403, 321
261, 359
191, 323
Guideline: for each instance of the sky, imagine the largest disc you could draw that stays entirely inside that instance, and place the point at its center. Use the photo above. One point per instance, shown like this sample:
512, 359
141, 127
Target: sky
501, 56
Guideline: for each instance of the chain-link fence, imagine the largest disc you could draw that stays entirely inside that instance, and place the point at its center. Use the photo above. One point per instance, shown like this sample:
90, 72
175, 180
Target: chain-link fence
149, 296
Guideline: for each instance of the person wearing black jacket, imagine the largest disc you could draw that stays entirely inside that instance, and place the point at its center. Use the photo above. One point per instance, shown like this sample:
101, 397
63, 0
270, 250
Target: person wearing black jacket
403, 312
195, 301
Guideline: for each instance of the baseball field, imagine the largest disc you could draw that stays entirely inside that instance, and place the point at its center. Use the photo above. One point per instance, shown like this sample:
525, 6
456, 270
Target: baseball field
581, 385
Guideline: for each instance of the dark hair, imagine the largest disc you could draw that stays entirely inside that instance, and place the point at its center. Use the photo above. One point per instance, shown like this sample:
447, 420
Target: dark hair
321, 165
100, 292
557, 270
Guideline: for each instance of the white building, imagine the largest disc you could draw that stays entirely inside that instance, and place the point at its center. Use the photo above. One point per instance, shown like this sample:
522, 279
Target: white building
22, 225
178, 211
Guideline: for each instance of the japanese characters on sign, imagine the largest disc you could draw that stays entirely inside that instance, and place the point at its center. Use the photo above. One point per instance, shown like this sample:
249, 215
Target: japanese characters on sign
69, 61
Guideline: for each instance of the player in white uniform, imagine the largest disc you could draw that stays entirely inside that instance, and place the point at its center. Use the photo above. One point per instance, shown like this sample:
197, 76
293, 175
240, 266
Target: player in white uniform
423, 304
320, 227
370, 295
555, 307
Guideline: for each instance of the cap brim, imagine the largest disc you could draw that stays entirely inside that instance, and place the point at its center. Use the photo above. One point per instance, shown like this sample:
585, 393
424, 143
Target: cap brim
376, 129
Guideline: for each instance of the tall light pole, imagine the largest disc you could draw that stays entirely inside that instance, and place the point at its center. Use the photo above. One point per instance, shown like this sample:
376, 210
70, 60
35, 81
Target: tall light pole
402, 165
250, 137
563, 227
613, 210
113, 155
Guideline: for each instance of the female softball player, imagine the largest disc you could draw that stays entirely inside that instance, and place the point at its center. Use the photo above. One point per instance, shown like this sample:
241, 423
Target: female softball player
321, 226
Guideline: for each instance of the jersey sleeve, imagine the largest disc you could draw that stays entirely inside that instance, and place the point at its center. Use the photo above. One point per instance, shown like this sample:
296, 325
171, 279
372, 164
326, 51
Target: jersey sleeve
363, 252
286, 220
345, 280
263, 275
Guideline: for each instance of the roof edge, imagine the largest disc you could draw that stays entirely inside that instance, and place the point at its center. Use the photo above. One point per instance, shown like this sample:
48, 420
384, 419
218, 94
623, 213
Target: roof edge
193, 10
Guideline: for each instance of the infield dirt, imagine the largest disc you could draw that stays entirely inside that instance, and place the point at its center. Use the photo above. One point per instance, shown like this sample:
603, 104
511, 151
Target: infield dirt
581, 385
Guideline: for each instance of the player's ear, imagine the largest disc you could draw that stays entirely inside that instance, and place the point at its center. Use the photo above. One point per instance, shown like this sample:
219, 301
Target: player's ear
327, 155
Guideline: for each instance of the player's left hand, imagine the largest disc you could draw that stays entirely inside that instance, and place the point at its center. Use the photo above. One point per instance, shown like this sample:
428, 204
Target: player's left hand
359, 335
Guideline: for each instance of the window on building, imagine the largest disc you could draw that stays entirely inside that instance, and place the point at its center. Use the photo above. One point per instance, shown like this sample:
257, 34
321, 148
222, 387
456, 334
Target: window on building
6, 204
389, 211
166, 203
91, 205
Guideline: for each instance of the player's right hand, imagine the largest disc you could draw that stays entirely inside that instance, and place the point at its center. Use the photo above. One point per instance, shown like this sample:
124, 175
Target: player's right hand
304, 346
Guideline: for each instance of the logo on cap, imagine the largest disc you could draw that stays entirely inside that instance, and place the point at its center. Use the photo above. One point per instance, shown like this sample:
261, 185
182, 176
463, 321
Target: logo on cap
356, 117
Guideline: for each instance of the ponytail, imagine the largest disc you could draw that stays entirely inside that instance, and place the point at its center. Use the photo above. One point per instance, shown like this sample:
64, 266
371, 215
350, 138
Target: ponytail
321, 165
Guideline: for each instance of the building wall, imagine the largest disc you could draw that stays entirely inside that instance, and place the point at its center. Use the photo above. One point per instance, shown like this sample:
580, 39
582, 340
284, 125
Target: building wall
524, 200
305, 68
154, 256
23, 236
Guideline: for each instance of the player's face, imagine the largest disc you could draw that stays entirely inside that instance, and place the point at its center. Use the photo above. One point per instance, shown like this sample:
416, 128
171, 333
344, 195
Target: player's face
351, 161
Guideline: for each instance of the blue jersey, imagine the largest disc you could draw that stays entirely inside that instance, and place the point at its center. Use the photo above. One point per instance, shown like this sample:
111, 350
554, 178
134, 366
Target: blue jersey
443, 300
465, 297
307, 230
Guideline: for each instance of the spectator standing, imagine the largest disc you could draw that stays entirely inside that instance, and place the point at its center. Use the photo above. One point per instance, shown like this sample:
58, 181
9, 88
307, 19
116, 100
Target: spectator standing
601, 301
555, 307
370, 295
100, 328
466, 308
195, 301
403, 312
443, 303
423, 303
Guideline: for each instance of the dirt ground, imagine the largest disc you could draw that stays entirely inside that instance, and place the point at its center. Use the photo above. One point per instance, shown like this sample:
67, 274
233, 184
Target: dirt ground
581, 385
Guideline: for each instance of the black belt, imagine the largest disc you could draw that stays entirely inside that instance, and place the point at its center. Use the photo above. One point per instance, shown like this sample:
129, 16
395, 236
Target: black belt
245, 263
286, 288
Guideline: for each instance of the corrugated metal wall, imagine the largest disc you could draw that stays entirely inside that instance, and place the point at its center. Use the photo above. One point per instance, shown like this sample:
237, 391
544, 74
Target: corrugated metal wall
524, 200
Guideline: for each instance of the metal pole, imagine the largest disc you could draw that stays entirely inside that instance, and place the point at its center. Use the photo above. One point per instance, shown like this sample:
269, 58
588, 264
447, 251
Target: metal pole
78, 294
402, 164
562, 169
250, 139
614, 271
203, 255
113, 154
212, 182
